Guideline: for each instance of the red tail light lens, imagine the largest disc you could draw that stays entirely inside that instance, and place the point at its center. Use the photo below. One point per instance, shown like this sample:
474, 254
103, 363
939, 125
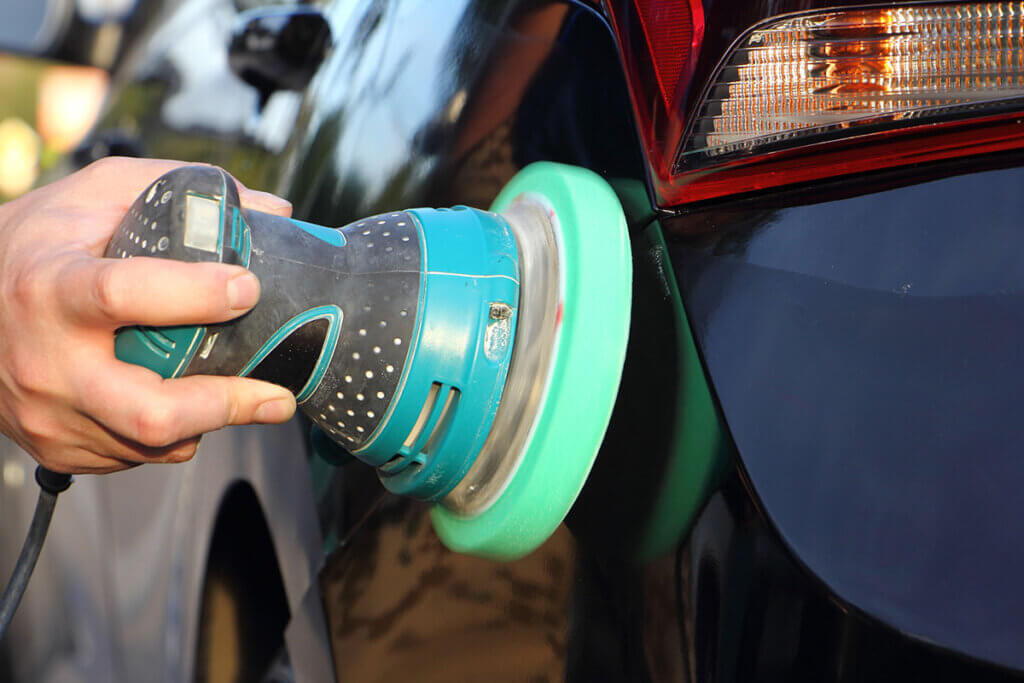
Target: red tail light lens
672, 32
825, 93
658, 42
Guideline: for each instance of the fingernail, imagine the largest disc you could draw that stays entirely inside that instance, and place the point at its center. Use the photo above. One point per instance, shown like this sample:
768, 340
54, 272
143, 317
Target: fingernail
243, 291
274, 411
270, 202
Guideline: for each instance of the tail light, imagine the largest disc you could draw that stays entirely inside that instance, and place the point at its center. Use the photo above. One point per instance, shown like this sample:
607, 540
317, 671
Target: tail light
735, 102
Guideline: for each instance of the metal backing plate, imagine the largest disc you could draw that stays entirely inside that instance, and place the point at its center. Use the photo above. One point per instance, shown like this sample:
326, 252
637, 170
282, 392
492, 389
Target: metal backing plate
596, 289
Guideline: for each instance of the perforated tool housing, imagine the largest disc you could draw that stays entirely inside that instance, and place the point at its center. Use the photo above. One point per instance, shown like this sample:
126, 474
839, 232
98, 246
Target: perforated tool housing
394, 331
472, 357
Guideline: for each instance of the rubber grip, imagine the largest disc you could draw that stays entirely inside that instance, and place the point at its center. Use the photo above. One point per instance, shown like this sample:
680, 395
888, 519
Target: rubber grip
181, 216
364, 276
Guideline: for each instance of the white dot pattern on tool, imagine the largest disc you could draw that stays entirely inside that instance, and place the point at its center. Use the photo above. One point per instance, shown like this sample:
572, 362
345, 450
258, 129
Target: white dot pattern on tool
152, 191
166, 197
163, 243
381, 312
330, 407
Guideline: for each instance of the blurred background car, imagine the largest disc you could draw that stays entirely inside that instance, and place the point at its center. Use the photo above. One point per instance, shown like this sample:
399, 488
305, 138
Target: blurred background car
813, 468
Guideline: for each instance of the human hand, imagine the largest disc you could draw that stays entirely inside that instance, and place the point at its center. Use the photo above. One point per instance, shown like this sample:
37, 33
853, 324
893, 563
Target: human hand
64, 397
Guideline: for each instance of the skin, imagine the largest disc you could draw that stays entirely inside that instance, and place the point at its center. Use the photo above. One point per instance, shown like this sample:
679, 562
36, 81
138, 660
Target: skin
64, 397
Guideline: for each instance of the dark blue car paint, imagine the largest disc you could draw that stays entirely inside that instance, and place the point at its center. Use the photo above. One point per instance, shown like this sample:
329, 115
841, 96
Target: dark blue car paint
862, 349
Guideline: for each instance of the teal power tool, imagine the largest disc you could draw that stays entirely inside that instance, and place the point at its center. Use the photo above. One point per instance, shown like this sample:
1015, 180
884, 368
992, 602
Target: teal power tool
472, 357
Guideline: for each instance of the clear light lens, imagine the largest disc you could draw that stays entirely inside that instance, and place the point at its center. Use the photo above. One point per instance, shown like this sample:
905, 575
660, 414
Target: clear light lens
842, 70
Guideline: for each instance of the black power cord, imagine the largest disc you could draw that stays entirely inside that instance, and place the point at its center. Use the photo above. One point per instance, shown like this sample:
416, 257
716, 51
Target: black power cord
51, 484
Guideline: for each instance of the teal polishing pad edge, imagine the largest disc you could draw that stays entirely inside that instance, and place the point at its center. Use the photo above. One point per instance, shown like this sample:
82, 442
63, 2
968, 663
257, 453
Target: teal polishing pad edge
596, 293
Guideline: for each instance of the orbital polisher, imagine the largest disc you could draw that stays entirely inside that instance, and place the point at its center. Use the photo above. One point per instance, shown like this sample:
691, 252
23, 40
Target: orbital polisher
472, 357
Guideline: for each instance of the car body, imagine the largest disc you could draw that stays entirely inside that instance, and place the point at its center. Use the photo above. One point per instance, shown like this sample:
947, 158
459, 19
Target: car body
811, 472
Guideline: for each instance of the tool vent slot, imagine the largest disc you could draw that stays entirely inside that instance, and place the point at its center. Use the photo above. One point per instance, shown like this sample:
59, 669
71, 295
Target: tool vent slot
291, 362
429, 429
443, 421
421, 422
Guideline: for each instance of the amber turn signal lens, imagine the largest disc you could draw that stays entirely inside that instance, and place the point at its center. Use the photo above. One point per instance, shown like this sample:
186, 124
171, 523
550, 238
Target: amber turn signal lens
815, 74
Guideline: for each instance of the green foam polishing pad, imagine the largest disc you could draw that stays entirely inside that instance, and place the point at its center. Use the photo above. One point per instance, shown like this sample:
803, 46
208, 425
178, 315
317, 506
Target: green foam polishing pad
595, 279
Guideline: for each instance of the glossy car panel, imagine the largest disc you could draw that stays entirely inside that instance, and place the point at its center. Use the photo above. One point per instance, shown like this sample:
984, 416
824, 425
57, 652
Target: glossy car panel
857, 339
865, 352
127, 557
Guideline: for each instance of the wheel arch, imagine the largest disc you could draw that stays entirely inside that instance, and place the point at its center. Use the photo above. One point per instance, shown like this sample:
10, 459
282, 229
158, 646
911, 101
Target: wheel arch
243, 606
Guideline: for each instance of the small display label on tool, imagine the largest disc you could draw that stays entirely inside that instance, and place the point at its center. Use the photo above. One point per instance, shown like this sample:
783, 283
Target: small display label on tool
202, 223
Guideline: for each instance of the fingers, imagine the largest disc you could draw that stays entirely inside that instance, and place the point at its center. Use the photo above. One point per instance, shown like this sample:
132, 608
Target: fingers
92, 459
111, 445
58, 454
151, 291
97, 450
138, 405
117, 181
72, 442
82, 461
264, 201
103, 415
